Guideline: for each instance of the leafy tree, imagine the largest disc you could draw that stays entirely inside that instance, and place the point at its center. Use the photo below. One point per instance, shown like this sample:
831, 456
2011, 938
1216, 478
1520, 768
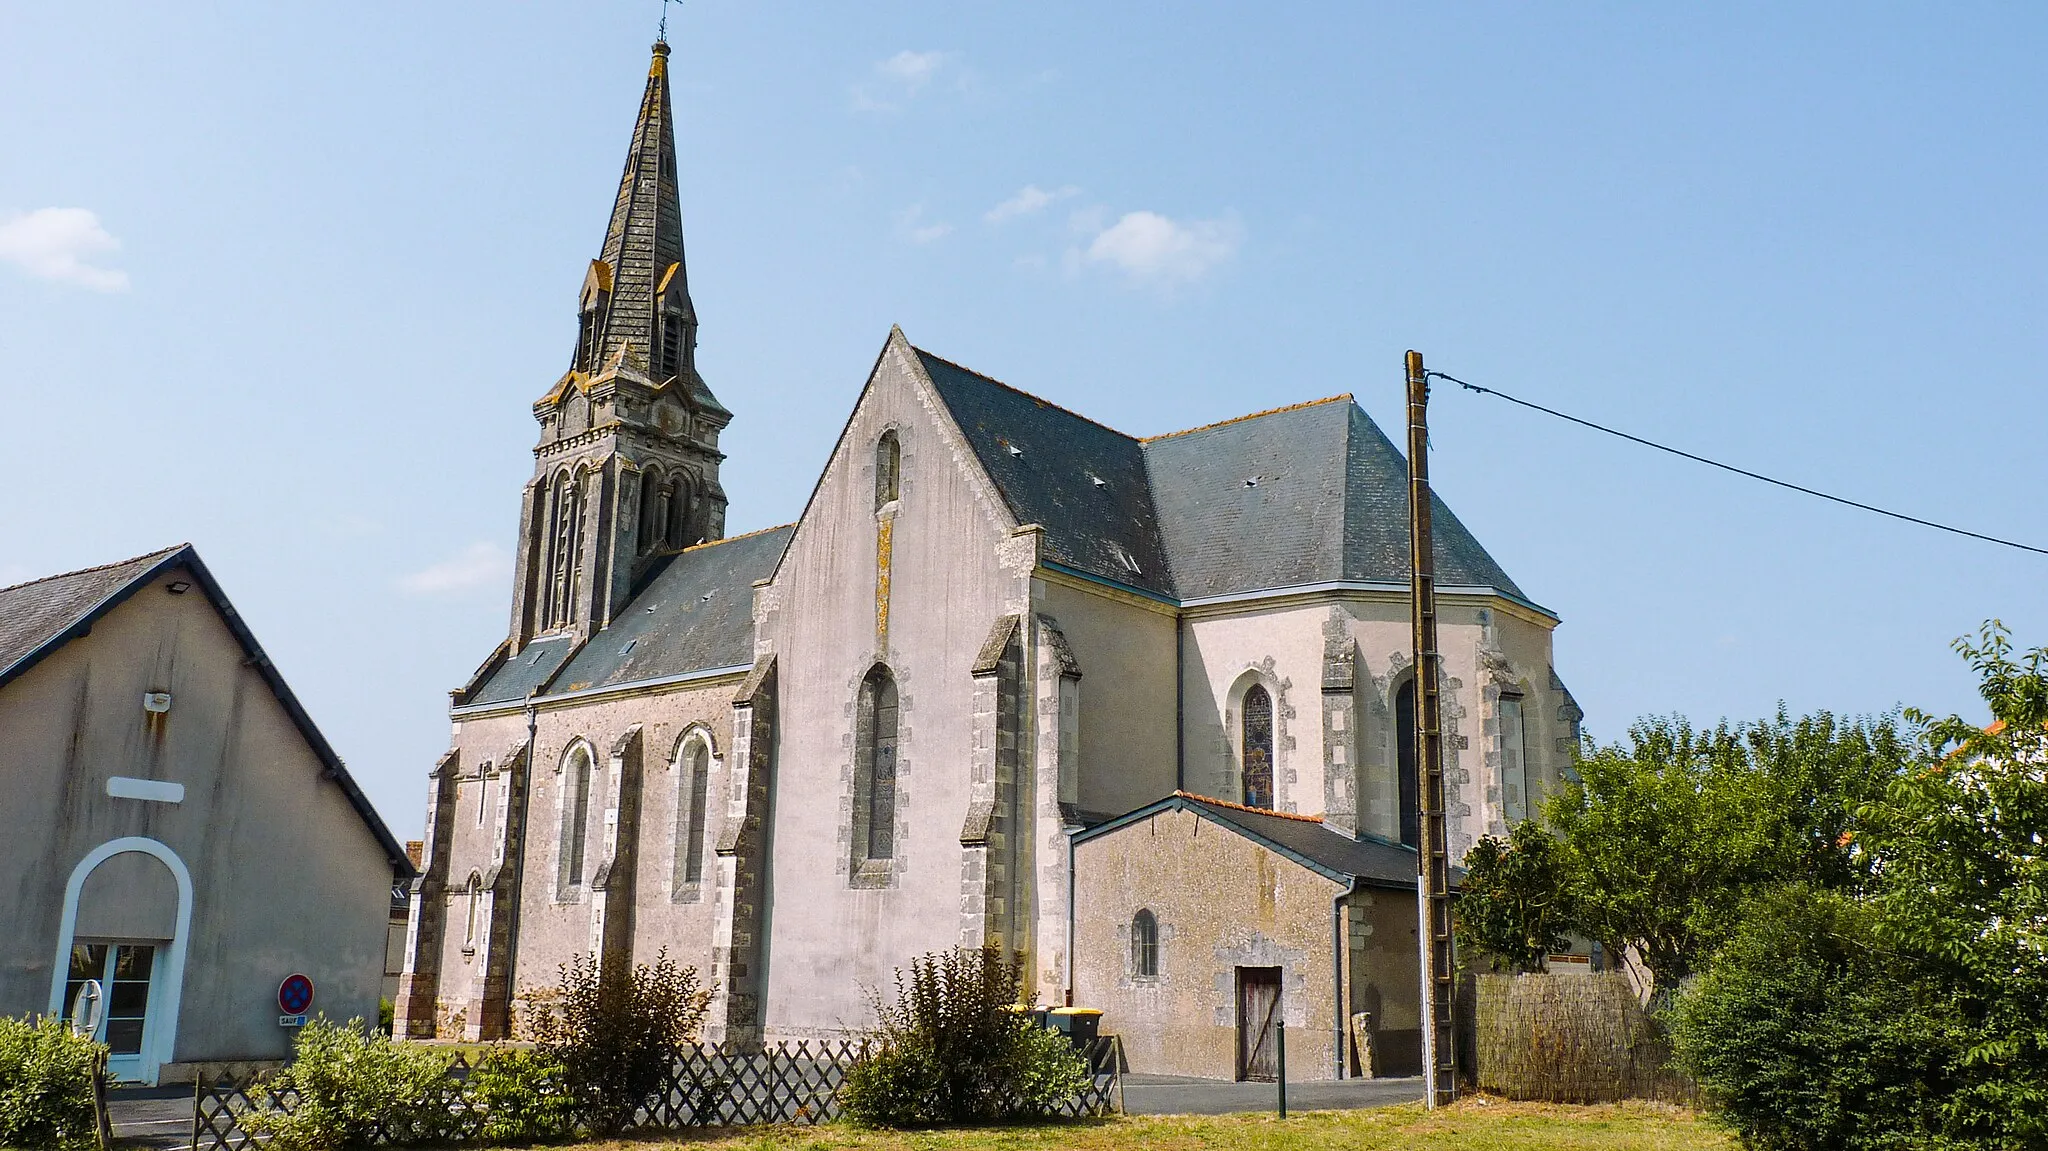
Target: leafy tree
953, 1048
1807, 1033
617, 1030
1961, 851
1666, 837
1516, 897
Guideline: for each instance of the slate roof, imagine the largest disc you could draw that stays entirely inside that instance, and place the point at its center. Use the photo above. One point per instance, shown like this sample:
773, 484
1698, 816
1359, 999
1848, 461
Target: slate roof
697, 614
41, 616
1312, 493
1046, 462
35, 613
1305, 839
1308, 494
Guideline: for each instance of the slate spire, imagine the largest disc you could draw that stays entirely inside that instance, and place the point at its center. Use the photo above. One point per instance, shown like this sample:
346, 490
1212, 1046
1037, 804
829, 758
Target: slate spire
636, 298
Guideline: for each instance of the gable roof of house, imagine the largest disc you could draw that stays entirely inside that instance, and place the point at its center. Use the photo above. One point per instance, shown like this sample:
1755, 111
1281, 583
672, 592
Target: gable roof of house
41, 616
1307, 494
695, 615
1302, 838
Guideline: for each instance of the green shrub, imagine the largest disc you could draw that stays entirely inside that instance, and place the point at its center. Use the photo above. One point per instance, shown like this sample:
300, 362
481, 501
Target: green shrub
617, 1030
518, 1096
953, 1049
355, 1085
1807, 1034
46, 1086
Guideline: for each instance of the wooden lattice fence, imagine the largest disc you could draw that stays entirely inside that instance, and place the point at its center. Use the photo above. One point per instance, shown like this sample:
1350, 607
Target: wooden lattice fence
794, 1083
1571, 1038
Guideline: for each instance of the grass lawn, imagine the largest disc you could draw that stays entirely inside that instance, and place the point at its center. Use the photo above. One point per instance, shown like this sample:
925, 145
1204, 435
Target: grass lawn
1470, 1125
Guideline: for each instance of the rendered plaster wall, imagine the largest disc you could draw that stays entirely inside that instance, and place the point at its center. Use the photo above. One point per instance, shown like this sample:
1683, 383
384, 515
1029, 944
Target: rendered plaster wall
286, 876
954, 570
1280, 649
1125, 649
1222, 902
556, 922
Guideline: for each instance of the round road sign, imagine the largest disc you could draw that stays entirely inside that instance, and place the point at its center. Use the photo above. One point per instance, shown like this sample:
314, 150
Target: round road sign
295, 994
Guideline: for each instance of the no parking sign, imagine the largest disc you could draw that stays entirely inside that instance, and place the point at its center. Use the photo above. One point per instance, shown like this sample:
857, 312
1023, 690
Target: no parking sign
294, 996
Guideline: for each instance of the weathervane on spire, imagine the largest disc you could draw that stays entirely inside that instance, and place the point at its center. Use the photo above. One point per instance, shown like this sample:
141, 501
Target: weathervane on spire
661, 33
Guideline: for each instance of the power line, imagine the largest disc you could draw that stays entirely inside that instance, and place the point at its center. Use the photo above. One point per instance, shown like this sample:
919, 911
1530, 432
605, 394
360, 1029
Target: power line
1736, 470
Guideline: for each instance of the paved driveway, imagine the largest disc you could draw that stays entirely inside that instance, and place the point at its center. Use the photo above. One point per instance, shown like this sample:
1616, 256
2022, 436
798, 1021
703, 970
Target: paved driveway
154, 1117
1179, 1095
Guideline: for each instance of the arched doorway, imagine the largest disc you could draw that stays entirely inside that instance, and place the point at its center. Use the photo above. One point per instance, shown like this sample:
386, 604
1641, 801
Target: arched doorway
127, 912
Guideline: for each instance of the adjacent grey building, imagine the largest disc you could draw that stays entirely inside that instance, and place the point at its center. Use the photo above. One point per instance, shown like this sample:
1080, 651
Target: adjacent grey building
800, 757
174, 827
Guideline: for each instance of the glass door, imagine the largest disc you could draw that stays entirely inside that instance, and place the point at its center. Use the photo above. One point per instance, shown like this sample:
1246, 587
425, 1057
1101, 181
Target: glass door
123, 970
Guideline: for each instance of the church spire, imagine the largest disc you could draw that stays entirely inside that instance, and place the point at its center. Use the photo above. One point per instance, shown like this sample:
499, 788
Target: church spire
636, 299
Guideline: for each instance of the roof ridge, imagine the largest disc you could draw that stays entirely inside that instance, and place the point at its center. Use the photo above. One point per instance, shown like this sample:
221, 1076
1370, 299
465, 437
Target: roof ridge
1032, 396
98, 567
741, 536
1254, 810
1346, 396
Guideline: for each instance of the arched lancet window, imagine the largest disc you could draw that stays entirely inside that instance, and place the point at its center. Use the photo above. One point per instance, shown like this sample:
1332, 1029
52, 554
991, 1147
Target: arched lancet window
888, 468
1144, 944
693, 787
650, 518
677, 529
474, 892
1404, 760
1514, 759
1256, 746
876, 756
575, 815
565, 532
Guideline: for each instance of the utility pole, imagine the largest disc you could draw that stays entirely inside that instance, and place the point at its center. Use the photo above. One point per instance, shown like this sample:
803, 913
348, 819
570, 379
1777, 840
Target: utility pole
1432, 853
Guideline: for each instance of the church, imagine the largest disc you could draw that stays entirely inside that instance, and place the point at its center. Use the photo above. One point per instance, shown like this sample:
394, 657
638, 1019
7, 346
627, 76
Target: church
1137, 709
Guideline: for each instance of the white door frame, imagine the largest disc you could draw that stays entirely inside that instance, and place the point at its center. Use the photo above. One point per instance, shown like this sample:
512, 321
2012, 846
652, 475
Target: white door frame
167, 985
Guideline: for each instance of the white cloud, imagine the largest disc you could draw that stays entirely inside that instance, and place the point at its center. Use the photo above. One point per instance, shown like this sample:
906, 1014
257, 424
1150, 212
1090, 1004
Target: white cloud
58, 244
1029, 200
898, 79
911, 225
1149, 248
476, 566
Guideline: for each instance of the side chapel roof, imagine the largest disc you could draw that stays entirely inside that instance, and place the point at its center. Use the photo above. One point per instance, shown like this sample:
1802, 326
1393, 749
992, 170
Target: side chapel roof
1306, 839
695, 615
41, 616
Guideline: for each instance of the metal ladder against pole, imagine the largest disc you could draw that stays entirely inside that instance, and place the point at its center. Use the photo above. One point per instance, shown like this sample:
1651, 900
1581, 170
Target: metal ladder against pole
1433, 866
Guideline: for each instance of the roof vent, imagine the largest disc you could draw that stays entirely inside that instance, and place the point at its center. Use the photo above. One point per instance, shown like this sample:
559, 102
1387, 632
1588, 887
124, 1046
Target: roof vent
1098, 481
629, 645
1252, 481
1013, 449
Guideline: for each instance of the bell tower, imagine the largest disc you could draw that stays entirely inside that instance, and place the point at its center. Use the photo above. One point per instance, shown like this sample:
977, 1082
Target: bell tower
626, 470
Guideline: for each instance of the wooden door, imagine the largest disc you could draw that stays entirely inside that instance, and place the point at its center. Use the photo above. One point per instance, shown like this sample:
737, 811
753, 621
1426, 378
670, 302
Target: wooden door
1258, 1016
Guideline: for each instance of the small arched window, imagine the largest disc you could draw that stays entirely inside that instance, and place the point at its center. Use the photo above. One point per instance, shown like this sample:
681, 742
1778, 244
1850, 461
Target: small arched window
474, 893
678, 528
575, 815
1404, 761
888, 469
1145, 944
1256, 746
692, 790
876, 756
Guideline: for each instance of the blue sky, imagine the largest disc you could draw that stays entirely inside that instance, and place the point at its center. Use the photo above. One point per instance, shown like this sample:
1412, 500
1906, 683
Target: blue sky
283, 280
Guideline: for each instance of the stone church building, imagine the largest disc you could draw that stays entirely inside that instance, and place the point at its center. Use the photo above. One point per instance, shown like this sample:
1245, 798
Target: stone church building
999, 637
